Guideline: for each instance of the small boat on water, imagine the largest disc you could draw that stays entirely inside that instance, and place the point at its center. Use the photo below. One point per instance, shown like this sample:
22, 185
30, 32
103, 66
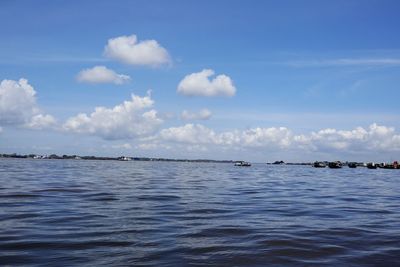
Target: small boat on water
372, 165
352, 164
242, 164
335, 165
395, 165
319, 164
125, 158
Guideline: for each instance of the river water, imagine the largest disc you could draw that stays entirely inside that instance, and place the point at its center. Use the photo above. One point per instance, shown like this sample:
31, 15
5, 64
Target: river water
111, 213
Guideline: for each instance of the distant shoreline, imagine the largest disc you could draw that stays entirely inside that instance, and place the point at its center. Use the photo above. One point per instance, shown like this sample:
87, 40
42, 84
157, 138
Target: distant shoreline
128, 158
121, 158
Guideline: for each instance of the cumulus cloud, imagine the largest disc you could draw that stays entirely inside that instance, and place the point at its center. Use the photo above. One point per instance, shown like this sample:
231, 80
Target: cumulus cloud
129, 50
374, 138
40, 121
199, 84
190, 134
130, 119
17, 101
256, 137
101, 74
18, 106
266, 137
203, 114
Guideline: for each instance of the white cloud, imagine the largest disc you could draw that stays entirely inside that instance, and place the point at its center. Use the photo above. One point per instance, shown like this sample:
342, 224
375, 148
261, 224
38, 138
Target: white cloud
256, 137
280, 137
190, 134
18, 106
199, 84
203, 114
374, 138
17, 101
101, 74
41, 121
129, 50
127, 120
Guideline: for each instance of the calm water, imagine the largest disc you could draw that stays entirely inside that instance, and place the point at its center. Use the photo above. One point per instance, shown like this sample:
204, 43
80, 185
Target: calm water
108, 213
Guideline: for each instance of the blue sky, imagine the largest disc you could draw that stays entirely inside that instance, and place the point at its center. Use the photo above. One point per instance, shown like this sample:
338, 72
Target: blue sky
297, 68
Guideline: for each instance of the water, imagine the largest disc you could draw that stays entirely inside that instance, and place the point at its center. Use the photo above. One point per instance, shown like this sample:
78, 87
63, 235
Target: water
110, 213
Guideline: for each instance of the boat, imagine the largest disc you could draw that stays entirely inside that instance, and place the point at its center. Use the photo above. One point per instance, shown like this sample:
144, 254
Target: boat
125, 158
372, 165
394, 165
319, 164
335, 165
352, 164
242, 164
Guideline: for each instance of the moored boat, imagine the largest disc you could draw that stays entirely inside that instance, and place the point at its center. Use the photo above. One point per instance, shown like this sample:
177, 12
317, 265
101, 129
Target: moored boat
125, 158
394, 165
319, 164
352, 165
372, 165
242, 164
335, 165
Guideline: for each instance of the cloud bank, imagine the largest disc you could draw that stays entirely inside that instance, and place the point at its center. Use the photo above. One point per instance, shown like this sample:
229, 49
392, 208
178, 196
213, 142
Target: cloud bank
137, 120
128, 50
101, 74
373, 138
199, 84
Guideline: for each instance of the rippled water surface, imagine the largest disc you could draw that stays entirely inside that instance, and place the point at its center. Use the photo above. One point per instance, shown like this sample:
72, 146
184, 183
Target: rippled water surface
110, 213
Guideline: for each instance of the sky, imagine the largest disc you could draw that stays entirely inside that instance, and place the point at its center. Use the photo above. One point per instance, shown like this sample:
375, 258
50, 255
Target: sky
239, 80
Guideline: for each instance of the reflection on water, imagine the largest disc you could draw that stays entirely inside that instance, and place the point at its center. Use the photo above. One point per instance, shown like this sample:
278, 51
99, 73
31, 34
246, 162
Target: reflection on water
77, 213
